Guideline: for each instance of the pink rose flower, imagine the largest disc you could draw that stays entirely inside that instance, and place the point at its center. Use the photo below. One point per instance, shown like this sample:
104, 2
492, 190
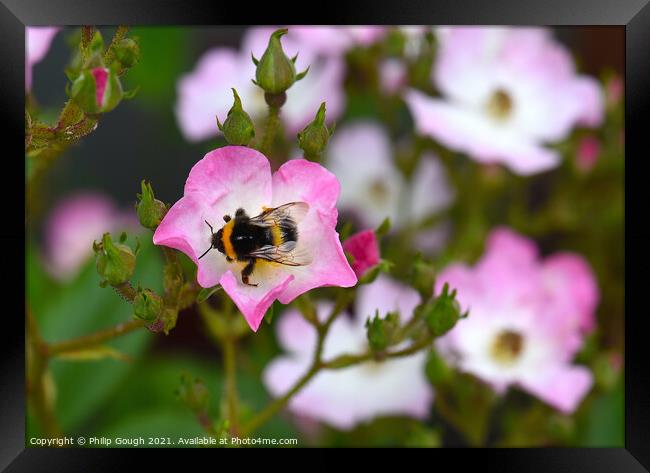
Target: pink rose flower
363, 247
528, 318
37, 44
206, 92
72, 227
394, 387
506, 93
235, 177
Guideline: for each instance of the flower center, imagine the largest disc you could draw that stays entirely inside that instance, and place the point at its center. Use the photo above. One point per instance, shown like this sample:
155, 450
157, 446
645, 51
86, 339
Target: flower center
507, 347
499, 106
379, 190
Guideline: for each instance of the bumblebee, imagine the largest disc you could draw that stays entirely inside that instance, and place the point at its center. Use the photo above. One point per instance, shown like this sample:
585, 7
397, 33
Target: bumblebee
270, 236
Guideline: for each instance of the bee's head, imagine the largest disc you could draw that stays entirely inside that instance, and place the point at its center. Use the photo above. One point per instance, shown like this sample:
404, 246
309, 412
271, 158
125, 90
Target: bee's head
217, 241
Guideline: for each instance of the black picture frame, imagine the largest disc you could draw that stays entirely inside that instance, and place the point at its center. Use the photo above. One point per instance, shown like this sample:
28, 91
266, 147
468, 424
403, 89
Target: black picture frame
633, 15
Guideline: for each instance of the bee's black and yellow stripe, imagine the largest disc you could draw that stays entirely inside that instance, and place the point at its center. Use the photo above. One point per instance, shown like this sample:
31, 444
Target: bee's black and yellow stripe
240, 237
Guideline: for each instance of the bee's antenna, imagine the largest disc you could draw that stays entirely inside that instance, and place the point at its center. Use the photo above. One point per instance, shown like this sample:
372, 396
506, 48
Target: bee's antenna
206, 252
211, 231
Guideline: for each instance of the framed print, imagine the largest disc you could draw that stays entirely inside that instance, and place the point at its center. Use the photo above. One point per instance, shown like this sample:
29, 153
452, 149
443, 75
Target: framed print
410, 226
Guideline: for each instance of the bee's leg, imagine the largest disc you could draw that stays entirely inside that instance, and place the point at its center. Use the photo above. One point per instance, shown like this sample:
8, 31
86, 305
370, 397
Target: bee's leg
229, 259
227, 218
247, 271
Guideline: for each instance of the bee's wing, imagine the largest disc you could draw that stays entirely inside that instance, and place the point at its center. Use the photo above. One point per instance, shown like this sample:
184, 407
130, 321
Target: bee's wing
286, 254
292, 212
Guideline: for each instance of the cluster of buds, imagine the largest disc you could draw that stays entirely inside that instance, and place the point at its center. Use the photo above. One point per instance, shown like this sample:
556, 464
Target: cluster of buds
96, 87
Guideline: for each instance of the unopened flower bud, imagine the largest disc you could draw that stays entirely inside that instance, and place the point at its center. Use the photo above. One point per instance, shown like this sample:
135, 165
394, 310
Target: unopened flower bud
275, 71
149, 209
422, 277
97, 90
147, 305
380, 331
314, 137
443, 313
127, 52
115, 261
238, 129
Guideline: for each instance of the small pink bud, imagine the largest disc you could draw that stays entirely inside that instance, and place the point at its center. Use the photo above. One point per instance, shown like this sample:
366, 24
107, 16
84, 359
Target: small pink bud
101, 76
363, 247
588, 152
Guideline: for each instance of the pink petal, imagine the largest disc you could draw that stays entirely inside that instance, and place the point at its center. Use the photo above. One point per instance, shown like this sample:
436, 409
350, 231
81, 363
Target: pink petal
295, 334
304, 181
37, 44
572, 288
232, 177
464, 129
562, 387
253, 302
364, 249
589, 93
184, 229
101, 76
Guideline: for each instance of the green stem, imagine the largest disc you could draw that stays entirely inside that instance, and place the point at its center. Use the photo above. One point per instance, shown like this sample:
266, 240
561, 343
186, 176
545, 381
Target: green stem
93, 339
37, 362
231, 384
272, 125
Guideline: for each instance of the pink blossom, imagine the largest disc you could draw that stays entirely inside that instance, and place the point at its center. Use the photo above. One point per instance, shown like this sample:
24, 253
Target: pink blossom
37, 44
206, 92
72, 227
527, 319
345, 397
506, 93
364, 249
235, 177
361, 156
588, 152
